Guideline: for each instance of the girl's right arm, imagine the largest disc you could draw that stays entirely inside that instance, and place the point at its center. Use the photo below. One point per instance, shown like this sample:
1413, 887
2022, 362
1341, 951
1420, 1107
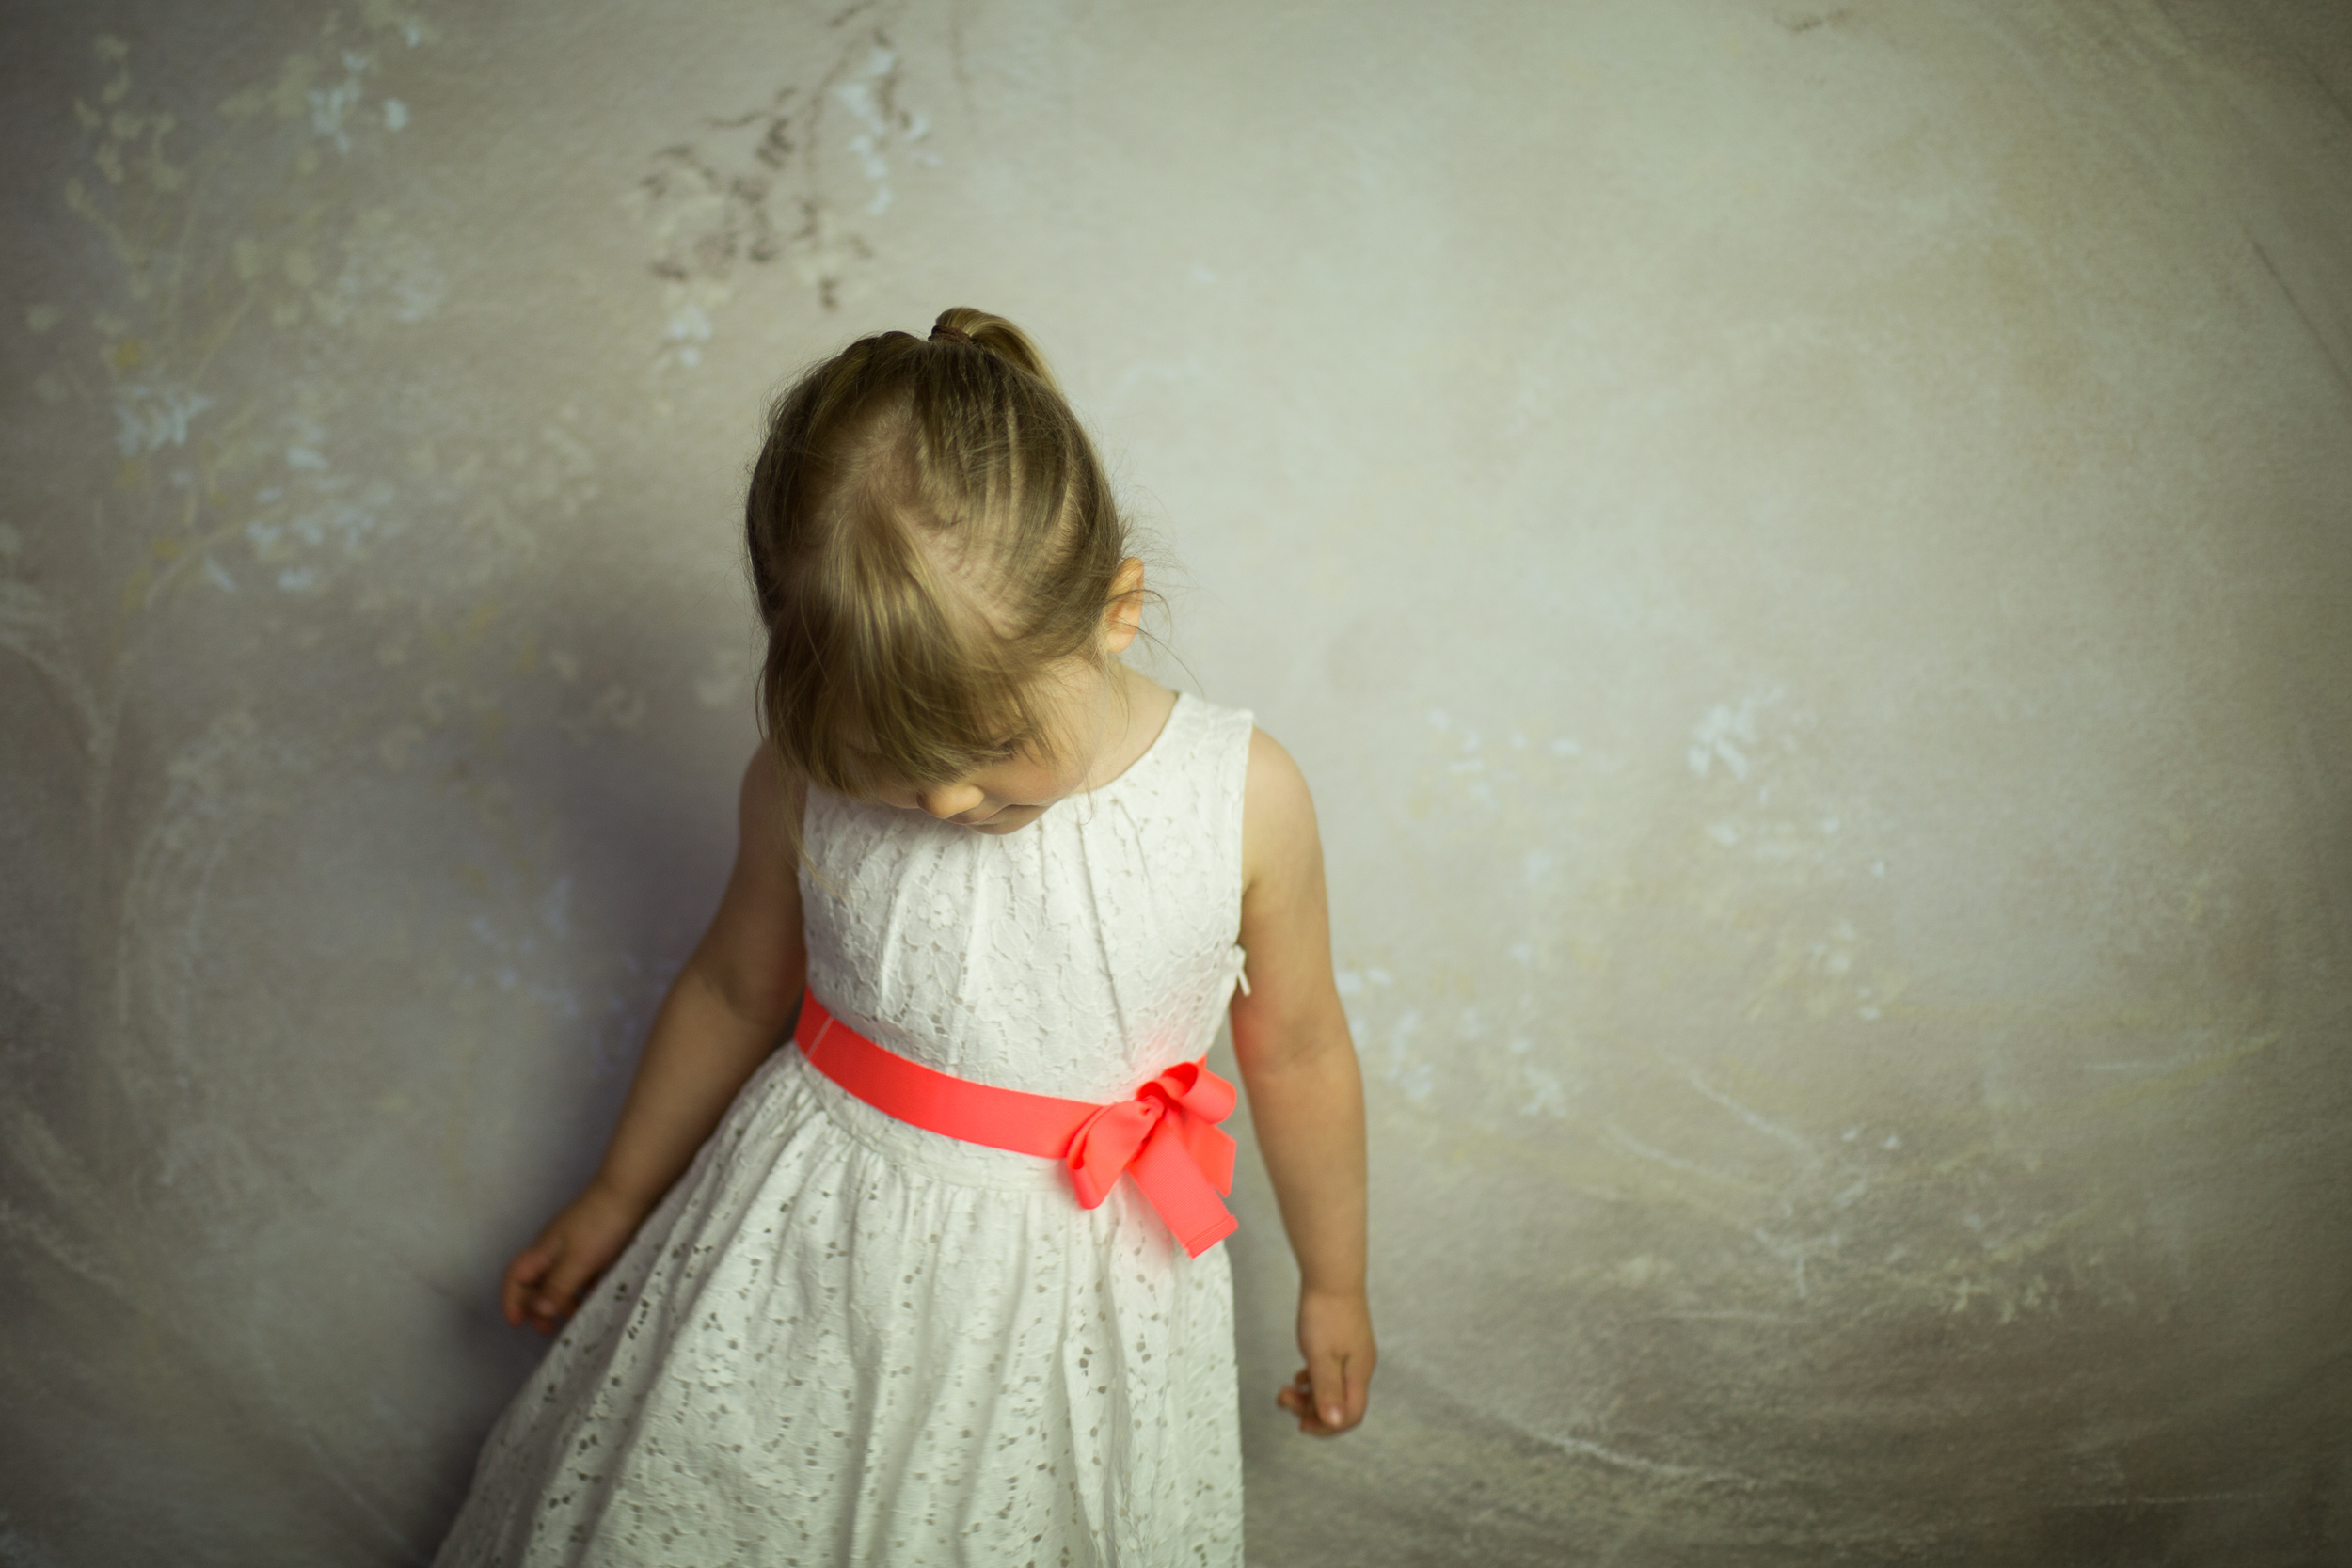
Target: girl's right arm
721, 1017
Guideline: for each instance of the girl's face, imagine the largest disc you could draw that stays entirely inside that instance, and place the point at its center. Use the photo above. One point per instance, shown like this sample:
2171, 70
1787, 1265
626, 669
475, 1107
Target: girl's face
1007, 794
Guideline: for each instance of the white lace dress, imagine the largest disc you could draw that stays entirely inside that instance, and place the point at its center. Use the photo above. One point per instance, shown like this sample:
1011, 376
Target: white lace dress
842, 1339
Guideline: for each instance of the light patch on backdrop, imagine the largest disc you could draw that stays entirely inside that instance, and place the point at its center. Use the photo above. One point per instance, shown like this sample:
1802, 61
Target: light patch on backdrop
232, 474
152, 415
1747, 875
757, 187
331, 105
1777, 840
1753, 840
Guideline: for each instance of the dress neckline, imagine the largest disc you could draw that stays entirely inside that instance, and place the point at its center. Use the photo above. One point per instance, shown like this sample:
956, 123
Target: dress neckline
1144, 759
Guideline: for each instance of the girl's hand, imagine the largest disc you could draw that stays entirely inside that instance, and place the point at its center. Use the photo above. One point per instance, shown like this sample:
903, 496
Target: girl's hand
1330, 1393
545, 1281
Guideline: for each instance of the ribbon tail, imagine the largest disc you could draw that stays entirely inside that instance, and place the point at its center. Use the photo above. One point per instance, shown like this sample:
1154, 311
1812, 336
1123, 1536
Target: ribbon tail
1212, 1149
1104, 1145
1173, 1182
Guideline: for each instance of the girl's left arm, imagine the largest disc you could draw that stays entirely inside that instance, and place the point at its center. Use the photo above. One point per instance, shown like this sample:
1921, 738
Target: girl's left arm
1305, 1096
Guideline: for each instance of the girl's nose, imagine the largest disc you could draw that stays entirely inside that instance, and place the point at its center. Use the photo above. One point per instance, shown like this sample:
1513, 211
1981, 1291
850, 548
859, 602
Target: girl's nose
947, 801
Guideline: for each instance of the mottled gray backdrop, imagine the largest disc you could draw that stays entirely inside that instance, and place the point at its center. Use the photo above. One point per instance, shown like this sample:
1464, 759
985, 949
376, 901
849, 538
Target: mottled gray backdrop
1805, 550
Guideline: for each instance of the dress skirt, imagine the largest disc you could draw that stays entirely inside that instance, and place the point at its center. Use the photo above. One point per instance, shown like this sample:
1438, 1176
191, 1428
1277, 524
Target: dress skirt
839, 1339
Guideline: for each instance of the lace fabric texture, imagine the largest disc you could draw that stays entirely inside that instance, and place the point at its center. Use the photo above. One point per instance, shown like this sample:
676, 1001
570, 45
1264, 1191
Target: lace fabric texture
843, 1340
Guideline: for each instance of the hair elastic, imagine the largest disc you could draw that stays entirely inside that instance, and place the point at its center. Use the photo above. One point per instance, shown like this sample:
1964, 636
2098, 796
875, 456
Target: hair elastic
950, 335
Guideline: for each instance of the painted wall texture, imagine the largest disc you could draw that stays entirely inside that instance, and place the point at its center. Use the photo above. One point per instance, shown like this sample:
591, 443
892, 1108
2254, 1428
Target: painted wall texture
1806, 551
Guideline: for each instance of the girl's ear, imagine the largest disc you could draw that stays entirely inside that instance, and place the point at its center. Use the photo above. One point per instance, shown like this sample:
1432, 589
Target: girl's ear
1124, 617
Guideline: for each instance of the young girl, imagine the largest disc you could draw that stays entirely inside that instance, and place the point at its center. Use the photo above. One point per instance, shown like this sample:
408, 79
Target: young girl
944, 1286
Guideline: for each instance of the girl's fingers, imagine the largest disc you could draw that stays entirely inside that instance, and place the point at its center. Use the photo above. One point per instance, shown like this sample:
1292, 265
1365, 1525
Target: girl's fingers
1298, 1397
1330, 1392
558, 1296
537, 1289
1327, 1407
1335, 1335
522, 1278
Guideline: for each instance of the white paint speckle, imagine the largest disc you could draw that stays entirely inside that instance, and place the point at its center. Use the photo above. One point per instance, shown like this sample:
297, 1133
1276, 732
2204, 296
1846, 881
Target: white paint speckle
395, 115
870, 156
860, 98
1416, 1079
328, 106
1548, 1097
555, 909
1711, 741
718, 685
151, 416
1725, 736
688, 329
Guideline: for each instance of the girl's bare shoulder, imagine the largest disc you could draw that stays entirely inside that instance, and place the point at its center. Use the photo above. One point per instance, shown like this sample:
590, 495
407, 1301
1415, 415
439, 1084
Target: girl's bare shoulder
767, 791
1278, 834
768, 808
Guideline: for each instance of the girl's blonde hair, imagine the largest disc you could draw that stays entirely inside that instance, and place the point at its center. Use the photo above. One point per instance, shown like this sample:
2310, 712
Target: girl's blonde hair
930, 532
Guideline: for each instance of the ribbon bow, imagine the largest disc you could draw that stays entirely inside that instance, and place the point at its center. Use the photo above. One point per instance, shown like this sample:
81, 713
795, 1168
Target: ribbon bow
1167, 1139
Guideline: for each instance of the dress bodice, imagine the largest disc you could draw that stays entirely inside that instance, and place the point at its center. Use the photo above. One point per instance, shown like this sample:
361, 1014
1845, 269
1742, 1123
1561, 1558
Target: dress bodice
1078, 957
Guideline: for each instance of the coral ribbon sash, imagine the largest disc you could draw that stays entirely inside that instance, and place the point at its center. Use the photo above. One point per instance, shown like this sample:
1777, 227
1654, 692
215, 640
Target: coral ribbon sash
1166, 1135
